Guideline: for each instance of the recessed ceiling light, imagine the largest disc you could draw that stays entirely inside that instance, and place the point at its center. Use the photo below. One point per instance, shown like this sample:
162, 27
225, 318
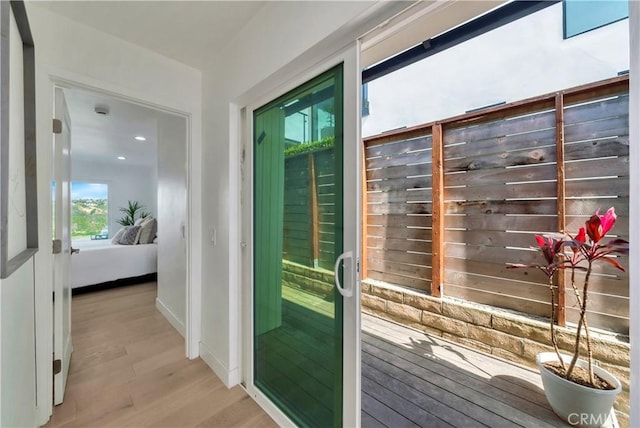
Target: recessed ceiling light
140, 138
122, 158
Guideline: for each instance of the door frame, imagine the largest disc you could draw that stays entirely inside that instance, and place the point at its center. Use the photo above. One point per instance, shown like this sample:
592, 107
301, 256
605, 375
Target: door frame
43, 302
243, 113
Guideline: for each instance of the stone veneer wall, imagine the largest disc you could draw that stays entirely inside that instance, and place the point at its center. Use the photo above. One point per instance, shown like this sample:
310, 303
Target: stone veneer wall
506, 335
316, 281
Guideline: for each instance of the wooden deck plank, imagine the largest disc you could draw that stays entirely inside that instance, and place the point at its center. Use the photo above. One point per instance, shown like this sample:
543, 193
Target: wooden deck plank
454, 374
422, 394
468, 361
393, 410
480, 401
369, 421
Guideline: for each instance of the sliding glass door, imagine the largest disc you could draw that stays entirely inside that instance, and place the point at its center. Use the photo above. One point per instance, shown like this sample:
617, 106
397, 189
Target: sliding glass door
300, 274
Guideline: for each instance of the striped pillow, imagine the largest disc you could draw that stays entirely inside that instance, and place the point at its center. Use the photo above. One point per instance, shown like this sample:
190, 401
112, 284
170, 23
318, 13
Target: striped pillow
130, 235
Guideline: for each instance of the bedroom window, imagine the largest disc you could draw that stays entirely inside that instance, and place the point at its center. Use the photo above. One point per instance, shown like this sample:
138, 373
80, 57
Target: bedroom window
89, 210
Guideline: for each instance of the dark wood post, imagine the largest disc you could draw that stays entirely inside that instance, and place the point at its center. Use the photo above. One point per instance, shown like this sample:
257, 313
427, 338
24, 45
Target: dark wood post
437, 219
562, 220
364, 255
315, 229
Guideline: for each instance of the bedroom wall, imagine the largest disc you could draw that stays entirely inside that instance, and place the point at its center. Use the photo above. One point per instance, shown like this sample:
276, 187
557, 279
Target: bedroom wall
76, 53
172, 218
126, 183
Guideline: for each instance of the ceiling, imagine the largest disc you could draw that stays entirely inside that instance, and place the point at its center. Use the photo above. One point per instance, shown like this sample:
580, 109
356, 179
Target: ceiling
102, 138
187, 31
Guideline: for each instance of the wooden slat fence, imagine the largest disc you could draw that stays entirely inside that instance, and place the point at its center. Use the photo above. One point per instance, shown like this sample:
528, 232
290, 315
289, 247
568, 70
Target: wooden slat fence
297, 242
399, 209
309, 212
499, 176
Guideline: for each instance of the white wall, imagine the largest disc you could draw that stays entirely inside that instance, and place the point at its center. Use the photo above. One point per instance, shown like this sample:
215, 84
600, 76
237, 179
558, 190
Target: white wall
172, 218
17, 357
18, 386
71, 52
523, 59
126, 183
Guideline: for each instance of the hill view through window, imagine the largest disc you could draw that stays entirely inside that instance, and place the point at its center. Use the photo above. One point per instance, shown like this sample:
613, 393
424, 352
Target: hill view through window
89, 210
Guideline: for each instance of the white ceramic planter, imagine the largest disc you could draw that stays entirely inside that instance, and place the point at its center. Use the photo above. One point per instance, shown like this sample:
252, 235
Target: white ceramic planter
578, 405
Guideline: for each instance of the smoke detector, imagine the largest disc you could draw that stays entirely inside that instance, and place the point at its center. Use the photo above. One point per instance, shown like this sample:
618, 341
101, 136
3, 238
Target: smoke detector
101, 110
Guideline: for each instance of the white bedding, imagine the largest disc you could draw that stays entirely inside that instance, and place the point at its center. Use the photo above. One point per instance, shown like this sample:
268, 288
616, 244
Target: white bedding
101, 261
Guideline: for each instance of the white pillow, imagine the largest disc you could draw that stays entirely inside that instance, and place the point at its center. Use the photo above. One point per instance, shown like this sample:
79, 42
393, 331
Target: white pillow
117, 236
148, 230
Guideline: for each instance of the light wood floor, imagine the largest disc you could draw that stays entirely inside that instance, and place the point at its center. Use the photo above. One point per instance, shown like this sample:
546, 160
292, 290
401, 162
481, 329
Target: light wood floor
128, 370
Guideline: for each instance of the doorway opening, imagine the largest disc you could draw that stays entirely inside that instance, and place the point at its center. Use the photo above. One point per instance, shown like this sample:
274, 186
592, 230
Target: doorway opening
126, 199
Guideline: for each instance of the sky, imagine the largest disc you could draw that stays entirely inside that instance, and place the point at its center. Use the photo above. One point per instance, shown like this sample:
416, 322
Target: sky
89, 191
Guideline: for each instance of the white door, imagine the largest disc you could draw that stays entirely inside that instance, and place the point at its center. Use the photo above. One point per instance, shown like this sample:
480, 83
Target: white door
303, 228
62, 346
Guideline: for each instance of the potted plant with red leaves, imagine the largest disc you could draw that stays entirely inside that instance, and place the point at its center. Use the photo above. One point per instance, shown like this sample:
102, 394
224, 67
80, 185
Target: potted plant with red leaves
579, 392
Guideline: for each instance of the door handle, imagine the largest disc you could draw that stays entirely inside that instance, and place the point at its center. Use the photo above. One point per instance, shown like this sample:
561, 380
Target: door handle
74, 250
345, 292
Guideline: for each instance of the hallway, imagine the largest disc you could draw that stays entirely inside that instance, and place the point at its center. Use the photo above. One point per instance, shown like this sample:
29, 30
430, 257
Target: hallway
128, 370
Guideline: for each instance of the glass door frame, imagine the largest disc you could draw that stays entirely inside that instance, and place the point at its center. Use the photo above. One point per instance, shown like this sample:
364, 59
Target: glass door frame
352, 157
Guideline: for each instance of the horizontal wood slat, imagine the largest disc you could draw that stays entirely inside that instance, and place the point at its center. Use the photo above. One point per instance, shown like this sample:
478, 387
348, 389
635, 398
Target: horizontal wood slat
413, 271
598, 109
540, 308
399, 256
506, 143
512, 125
500, 191
399, 146
400, 208
502, 222
603, 321
399, 232
497, 286
400, 171
419, 284
398, 244
496, 255
420, 195
421, 157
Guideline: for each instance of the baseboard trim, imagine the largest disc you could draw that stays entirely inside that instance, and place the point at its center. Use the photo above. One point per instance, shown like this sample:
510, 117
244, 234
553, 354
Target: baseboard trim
229, 378
171, 317
150, 277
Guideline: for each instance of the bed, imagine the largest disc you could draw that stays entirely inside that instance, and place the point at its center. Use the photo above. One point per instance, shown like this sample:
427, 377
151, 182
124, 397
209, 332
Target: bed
100, 262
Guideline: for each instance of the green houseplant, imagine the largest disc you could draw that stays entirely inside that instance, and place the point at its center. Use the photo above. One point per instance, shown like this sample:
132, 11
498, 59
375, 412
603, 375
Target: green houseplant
578, 392
132, 212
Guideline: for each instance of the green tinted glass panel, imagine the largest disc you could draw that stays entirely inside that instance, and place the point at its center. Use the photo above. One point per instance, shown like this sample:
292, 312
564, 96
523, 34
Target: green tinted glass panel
298, 231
